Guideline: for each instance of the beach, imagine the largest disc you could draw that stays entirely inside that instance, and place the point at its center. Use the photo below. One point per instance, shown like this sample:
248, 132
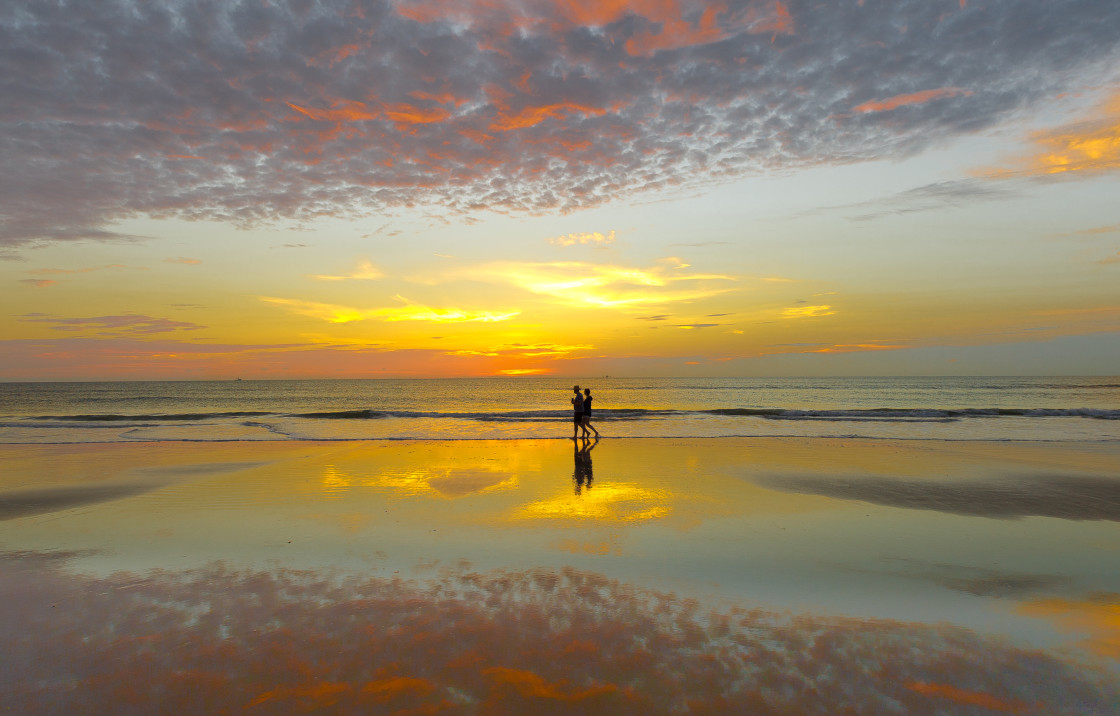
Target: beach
316, 312
771, 574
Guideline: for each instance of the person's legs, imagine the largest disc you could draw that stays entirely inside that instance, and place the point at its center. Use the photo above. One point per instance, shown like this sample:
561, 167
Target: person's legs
587, 426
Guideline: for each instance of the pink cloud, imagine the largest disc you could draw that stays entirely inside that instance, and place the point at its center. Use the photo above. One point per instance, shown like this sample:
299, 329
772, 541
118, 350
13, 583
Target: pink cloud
902, 100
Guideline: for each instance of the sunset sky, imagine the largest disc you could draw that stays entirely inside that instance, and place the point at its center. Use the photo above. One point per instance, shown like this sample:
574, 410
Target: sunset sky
340, 188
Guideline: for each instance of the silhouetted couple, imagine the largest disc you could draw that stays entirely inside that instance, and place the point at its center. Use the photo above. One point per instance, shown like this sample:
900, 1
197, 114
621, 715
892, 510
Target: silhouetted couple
581, 418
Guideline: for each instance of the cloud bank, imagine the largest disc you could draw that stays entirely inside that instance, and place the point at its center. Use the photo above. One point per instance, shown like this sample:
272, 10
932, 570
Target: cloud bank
247, 111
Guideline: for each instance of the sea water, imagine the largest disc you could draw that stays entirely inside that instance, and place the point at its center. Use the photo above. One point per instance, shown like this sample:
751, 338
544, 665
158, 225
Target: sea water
912, 408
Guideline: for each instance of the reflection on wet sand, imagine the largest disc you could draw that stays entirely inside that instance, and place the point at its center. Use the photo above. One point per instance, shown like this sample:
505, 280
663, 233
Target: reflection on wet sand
36, 501
1065, 497
532, 641
980, 581
314, 609
583, 473
448, 482
1097, 618
25, 503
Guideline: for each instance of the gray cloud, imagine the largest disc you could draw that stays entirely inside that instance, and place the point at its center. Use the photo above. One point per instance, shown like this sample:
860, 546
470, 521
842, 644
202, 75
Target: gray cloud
929, 197
126, 324
246, 111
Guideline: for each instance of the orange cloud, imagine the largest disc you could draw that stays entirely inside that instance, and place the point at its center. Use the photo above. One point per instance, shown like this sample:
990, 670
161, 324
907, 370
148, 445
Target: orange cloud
673, 27
885, 105
341, 110
407, 114
38, 282
1090, 145
531, 116
675, 31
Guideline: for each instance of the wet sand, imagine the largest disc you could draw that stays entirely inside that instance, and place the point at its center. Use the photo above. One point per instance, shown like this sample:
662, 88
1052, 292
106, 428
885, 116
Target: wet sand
637, 575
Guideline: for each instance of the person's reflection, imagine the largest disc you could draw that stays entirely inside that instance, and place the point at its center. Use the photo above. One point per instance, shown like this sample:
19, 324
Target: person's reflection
583, 475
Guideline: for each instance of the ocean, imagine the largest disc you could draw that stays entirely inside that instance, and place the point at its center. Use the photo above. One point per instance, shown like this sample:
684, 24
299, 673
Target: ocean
907, 408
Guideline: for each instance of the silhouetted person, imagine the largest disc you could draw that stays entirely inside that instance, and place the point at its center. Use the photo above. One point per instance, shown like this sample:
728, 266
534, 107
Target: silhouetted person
587, 414
577, 415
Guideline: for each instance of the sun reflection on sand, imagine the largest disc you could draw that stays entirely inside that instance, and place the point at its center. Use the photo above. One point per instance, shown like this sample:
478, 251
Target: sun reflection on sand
610, 502
447, 482
216, 640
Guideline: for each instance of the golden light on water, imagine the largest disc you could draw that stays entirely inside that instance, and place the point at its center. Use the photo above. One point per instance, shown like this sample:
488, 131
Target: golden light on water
613, 502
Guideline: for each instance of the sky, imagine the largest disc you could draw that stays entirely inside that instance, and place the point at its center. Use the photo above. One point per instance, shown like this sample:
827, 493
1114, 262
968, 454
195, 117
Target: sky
430, 188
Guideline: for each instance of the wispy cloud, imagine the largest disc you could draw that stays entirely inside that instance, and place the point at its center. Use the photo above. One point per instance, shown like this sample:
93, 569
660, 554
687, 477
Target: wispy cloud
902, 100
90, 269
334, 109
125, 324
366, 272
858, 347
593, 237
526, 350
407, 311
1092, 231
604, 285
808, 312
1090, 145
928, 197
183, 260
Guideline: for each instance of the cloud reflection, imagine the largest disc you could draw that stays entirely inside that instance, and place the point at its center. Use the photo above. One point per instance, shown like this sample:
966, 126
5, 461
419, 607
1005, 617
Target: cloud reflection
1097, 618
540, 641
